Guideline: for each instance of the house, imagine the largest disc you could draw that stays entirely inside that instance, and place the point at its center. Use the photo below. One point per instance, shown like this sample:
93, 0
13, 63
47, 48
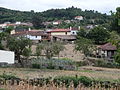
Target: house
79, 18
56, 22
7, 57
107, 51
34, 35
64, 38
74, 30
59, 32
67, 35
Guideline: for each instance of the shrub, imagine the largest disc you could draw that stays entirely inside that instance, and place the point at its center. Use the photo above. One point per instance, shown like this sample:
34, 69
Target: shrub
2, 89
105, 63
65, 59
8, 76
76, 80
82, 63
35, 65
53, 64
100, 63
85, 80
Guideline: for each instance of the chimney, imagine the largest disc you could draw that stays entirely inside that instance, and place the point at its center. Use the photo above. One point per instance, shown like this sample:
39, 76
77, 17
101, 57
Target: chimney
70, 28
29, 29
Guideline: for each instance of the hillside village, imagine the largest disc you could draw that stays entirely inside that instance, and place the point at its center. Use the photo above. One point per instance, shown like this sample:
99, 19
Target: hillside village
70, 44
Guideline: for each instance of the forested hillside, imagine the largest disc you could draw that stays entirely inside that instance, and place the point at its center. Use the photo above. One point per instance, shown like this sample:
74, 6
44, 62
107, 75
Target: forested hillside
52, 14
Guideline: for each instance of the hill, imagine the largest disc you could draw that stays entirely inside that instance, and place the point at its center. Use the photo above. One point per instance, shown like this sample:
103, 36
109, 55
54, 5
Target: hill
53, 14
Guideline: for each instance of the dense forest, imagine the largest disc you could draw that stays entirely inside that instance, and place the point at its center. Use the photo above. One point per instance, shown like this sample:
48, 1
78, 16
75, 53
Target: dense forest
52, 15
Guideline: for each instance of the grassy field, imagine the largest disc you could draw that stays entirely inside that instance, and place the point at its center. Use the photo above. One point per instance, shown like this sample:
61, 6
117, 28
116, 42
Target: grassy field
92, 72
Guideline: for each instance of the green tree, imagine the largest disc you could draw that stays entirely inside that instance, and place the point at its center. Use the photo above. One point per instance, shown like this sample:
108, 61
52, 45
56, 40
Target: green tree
84, 45
82, 33
39, 49
57, 47
3, 37
117, 57
114, 38
21, 46
9, 29
115, 24
50, 49
99, 35
37, 21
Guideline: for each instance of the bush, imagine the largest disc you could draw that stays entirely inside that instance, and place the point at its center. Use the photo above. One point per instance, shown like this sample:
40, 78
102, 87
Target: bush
76, 80
105, 63
2, 89
65, 59
82, 63
53, 64
100, 63
35, 65
85, 80
8, 76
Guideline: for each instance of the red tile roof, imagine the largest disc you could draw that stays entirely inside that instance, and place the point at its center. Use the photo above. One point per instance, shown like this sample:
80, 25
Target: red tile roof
59, 30
108, 46
32, 33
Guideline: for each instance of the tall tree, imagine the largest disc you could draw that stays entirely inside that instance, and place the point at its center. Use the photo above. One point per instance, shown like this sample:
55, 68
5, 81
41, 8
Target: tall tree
37, 21
99, 35
50, 49
84, 45
115, 24
21, 46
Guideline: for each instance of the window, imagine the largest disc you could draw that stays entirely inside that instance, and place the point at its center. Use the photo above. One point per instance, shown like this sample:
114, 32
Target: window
66, 33
73, 33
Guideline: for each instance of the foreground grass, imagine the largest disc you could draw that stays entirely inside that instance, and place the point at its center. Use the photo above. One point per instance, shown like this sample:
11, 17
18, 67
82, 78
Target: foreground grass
92, 72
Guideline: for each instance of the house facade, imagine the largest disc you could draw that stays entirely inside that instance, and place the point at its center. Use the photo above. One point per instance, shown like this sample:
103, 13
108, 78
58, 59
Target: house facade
54, 32
107, 51
34, 35
66, 35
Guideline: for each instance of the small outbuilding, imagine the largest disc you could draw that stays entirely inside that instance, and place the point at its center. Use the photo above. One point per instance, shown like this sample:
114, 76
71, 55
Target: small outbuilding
107, 51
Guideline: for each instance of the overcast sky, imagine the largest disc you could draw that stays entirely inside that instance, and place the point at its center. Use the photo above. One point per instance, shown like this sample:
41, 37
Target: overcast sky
103, 6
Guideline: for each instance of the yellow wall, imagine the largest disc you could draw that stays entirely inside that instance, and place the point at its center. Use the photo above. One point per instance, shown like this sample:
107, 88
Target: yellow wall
60, 33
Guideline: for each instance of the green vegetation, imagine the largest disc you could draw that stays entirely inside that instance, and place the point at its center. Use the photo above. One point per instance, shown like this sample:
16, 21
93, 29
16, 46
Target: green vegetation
8, 76
50, 49
115, 24
84, 45
21, 46
90, 17
41, 63
76, 80
99, 35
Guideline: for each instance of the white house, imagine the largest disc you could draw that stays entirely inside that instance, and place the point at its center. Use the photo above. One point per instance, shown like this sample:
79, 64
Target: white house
79, 18
74, 30
7, 57
32, 37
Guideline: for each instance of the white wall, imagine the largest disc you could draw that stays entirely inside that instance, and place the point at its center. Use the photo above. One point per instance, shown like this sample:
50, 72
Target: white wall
34, 37
74, 32
7, 56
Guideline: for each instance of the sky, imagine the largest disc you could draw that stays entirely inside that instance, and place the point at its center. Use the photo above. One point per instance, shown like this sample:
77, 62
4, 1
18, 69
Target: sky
103, 6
